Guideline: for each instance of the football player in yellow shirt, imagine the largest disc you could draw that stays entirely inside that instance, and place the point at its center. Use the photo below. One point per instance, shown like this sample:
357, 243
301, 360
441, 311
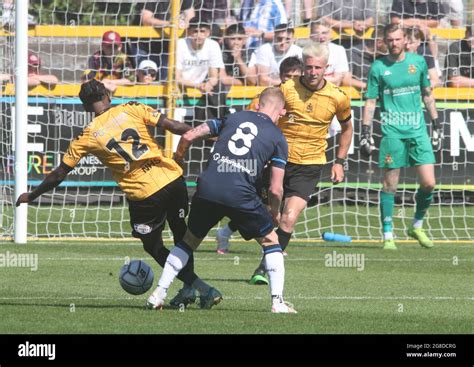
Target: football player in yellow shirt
311, 103
153, 184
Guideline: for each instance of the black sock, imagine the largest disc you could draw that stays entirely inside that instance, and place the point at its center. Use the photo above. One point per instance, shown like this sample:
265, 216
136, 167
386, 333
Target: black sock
261, 266
283, 238
232, 226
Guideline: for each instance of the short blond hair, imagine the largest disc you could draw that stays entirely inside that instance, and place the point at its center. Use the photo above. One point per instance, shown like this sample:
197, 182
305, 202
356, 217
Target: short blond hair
272, 95
313, 49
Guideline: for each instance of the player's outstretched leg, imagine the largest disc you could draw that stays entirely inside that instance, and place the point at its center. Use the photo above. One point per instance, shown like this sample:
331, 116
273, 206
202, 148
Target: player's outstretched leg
179, 256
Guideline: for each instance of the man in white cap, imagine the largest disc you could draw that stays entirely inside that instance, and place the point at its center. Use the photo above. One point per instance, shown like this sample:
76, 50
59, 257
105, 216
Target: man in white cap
146, 72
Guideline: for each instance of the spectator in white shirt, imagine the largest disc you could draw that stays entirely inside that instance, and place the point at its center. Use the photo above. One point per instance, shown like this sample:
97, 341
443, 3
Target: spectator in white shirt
199, 58
269, 56
337, 63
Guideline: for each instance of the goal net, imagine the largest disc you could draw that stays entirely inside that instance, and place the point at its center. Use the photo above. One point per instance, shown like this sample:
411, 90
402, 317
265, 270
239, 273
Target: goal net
64, 34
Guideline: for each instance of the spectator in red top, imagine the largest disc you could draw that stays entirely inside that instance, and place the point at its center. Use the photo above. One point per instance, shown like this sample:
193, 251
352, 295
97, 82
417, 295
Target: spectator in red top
110, 65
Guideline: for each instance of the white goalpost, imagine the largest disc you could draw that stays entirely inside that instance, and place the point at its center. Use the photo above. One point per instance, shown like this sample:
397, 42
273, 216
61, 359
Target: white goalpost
21, 117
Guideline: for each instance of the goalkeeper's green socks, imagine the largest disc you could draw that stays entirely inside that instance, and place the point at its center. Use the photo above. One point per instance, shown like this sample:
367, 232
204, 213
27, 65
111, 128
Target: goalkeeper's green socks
423, 201
387, 202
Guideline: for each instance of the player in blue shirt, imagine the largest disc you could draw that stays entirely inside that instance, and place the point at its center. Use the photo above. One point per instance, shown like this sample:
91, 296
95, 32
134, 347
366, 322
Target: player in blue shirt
247, 141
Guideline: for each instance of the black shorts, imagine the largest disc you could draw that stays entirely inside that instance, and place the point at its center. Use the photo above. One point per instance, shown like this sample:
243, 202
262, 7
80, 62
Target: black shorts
206, 214
301, 179
170, 204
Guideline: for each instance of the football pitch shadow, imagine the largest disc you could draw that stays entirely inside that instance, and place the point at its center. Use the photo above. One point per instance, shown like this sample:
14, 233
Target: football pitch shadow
76, 305
232, 280
192, 308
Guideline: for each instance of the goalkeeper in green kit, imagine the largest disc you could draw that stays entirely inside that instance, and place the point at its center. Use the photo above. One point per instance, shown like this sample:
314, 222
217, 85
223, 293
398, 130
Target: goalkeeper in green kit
400, 81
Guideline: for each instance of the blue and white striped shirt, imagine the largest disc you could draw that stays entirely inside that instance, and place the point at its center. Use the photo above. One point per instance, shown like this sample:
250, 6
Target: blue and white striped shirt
266, 15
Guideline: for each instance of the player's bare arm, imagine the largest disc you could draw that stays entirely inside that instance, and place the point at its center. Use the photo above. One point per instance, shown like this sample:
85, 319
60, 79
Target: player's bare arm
430, 103
174, 126
50, 182
275, 193
369, 111
345, 139
200, 132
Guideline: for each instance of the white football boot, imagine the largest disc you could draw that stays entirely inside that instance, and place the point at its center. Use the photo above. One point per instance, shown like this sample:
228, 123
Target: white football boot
283, 307
156, 299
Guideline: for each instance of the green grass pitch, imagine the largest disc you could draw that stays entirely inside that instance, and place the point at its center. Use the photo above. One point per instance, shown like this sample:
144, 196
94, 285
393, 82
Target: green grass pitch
76, 290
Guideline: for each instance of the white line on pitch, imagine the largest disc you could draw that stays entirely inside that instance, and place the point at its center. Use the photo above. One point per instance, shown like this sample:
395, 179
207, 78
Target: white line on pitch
233, 258
233, 298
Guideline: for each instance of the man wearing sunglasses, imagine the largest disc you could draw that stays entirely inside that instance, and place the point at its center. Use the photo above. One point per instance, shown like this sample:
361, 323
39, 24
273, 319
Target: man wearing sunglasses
146, 72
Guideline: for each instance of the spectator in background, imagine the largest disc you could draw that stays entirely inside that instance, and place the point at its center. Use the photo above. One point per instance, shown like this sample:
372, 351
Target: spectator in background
199, 63
454, 14
337, 66
263, 19
307, 10
5, 78
460, 61
35, 75
246, 7
8, 16
157, 14
147, 72
199, 60
361, 57
110, 64
339, 14
269, 56
214, 11
236, 58
291, 67
416, 44
421, 13
216, 34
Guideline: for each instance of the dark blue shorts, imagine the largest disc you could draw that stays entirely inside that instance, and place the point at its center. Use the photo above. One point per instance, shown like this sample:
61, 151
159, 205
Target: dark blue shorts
206, 214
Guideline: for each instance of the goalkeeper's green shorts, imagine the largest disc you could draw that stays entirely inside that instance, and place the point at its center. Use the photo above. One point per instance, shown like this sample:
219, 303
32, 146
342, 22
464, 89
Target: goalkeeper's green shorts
408, 152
